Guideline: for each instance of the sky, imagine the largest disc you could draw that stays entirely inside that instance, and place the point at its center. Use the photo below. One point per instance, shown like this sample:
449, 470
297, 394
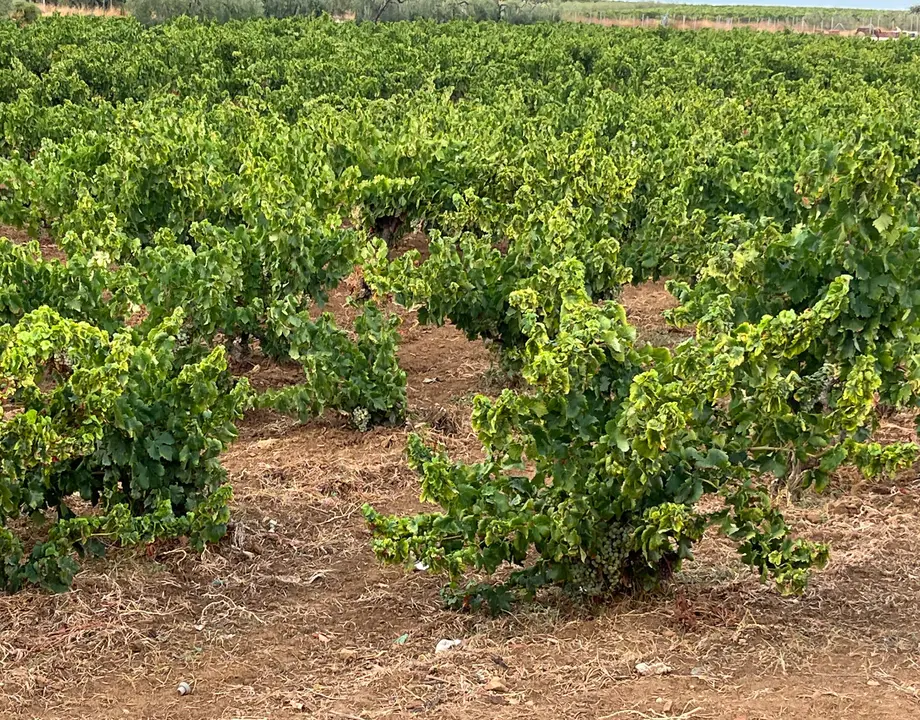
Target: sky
861, 4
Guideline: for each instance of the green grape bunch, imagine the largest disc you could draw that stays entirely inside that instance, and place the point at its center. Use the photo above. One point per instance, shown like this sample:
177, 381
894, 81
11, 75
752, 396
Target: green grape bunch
603, 571
361, 419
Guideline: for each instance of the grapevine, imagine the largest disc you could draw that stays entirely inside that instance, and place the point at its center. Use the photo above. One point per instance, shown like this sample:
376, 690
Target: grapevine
194, 194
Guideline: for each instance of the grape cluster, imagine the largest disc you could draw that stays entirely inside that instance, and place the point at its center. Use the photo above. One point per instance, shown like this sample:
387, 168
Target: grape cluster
815, 387
361, 419
602, 570
585, 578
613, 550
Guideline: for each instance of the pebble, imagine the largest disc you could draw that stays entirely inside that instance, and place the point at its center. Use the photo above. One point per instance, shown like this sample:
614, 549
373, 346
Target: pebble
655, 668
445, 645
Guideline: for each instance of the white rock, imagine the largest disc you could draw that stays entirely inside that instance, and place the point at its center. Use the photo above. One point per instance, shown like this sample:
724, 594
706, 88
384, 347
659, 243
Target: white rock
655, 668
445, 645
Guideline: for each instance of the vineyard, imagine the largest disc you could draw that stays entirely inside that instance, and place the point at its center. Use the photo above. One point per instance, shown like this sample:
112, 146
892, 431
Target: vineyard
606, 340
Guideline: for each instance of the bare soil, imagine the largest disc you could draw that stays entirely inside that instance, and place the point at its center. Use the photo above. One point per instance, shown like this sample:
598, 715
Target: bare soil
46, 246
683, 23
291, 616
75, 10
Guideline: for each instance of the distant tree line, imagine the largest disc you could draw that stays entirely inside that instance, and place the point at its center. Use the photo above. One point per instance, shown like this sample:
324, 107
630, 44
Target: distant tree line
20, 11
515, 11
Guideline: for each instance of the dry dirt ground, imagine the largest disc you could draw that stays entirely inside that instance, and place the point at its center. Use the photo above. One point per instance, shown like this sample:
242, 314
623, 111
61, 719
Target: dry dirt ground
48, 9
291, 616
679, 22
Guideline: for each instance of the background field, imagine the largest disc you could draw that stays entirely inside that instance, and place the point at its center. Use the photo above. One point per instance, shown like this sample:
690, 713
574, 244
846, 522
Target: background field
609, 12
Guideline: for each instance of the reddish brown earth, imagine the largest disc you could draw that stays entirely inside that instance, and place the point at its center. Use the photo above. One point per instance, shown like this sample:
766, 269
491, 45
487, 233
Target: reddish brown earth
291, 616
679, 22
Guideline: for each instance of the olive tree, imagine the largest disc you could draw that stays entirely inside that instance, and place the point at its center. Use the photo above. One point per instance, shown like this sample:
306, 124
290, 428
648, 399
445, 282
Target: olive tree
156, 11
